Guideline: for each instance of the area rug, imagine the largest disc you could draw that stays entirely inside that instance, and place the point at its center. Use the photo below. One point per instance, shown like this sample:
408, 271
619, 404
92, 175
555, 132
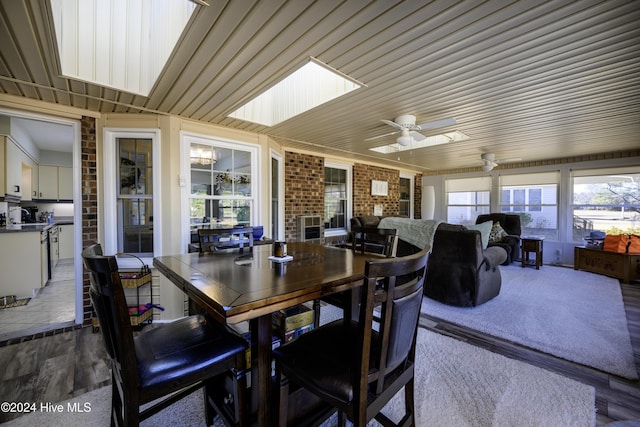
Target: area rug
457, 385
574, 315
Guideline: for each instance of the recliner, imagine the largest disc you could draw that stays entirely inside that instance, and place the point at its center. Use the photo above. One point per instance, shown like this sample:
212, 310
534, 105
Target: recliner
511, 224
169, 361
459, 271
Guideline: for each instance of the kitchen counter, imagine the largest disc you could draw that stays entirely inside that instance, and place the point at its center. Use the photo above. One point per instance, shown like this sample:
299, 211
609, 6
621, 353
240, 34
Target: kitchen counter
28, 227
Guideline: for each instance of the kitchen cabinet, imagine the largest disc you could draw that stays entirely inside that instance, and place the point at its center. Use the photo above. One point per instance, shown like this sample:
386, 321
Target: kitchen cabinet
65, 241
48, 182
20, 263
65, 183
54, 246
55, 182
12, 157
44, 258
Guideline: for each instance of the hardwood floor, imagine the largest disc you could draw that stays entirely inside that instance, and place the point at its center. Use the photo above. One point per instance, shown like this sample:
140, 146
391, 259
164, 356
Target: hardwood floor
64, 365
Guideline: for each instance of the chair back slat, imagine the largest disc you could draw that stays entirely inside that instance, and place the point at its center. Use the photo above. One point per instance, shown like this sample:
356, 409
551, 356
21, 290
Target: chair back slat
377, 240
215, 239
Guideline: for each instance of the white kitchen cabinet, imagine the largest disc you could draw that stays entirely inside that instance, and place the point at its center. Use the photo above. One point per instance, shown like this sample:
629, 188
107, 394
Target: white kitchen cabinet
13, 157
55, 182
20, 263
65, 241
48, 182
65, 183
44, 259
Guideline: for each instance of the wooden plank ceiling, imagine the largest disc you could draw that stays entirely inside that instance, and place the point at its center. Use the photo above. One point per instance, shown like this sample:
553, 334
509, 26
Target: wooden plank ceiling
524, 79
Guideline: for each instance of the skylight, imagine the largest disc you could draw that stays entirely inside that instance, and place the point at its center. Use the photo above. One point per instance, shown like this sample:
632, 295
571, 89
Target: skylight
311, 85
429, 141
121, 44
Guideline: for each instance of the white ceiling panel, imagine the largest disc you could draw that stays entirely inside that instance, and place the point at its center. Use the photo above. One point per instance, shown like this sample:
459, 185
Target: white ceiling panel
528, 79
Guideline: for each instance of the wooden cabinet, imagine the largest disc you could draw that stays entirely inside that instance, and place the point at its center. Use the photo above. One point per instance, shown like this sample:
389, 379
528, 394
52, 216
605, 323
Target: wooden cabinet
621, 266
55, 183
65, 241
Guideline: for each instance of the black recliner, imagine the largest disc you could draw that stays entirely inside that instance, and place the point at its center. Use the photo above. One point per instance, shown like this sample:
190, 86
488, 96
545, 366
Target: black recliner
511, 224
459, 271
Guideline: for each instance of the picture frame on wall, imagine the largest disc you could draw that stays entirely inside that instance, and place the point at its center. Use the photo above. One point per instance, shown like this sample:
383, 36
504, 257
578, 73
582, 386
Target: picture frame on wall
379, 188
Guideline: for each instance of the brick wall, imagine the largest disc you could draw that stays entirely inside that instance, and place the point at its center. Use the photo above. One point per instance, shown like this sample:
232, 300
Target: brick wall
304, 190
89, 201
363, 201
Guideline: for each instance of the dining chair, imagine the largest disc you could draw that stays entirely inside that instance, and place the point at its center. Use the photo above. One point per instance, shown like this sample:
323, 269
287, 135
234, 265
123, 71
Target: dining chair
214, 239
166, 363
357, 366
376, 240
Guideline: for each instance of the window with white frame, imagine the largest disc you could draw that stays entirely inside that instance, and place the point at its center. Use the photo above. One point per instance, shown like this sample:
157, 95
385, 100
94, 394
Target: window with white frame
406, 197
535, 198
132, 198
467, 198
337, 192
222, 185
606, 200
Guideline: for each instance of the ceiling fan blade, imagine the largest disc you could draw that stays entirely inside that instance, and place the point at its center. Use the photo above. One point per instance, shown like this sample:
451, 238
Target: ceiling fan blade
417, 136
394, 124
436, 124
380, 136
512, 159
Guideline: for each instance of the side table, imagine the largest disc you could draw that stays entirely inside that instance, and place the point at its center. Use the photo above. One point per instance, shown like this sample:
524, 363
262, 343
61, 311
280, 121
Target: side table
532, 244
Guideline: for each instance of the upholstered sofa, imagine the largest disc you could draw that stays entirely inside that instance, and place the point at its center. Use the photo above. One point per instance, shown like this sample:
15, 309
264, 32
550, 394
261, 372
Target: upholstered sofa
511, 225
460, 272
372, 221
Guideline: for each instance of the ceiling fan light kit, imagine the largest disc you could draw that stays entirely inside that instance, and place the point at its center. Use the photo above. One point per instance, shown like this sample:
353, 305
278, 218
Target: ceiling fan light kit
490, 162
409, 137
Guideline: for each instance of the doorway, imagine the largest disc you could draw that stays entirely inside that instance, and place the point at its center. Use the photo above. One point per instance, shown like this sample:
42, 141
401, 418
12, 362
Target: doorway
55, 144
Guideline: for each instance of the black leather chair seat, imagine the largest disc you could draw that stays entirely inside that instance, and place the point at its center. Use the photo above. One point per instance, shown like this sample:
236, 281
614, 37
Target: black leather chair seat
319, 359
182, 351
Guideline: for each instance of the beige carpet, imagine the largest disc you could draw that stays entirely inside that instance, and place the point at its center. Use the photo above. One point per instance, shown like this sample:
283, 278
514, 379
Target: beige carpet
575, 315
457, 385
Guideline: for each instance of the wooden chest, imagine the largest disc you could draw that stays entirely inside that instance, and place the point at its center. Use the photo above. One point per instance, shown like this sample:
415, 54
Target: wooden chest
621, 266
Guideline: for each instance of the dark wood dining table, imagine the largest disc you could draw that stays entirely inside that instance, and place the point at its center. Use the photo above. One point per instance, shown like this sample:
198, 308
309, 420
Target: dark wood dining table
234, 287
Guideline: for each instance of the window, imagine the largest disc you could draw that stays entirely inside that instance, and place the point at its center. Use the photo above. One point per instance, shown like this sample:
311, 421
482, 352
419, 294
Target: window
132, 198
521, 199
135, 196
467, 198
535, 198
606, 200
337, 182
277, 202
222, 187
406, 197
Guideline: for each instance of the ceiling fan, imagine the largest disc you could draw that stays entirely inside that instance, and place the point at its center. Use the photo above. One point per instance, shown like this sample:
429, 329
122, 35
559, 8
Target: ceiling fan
490, 161
406, 125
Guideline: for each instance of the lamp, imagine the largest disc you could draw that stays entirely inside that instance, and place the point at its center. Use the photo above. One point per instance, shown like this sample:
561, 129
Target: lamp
405, 139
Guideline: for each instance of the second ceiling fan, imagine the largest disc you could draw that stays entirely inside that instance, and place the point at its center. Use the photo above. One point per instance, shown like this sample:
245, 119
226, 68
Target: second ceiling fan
408, 129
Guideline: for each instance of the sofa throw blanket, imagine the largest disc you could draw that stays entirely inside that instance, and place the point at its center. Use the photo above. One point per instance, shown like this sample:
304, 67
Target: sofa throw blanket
418, 232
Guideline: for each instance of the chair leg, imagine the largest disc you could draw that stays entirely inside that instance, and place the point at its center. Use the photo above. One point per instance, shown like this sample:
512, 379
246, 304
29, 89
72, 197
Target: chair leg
282, 398
409, 404
209, 411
